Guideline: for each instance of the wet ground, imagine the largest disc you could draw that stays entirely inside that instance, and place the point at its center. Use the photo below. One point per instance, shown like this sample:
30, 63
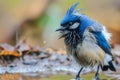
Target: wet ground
51, 65
60, 76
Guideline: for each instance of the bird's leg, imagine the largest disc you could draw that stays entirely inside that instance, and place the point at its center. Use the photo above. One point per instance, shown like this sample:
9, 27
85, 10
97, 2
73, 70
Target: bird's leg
97, 74
78, 75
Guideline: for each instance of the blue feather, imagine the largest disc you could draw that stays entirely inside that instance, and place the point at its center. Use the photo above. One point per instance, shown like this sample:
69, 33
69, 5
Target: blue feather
84, 23
102, 42
71, 9
69, 17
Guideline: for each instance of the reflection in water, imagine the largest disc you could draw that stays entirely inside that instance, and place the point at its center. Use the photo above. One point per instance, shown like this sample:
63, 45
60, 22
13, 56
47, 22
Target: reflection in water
38, 76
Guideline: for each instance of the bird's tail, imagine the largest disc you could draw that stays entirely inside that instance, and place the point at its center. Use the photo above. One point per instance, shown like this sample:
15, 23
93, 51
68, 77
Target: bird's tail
108, 64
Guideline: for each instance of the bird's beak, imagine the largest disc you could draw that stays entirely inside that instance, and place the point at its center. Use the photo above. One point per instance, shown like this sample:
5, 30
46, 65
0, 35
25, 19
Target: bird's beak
60, 29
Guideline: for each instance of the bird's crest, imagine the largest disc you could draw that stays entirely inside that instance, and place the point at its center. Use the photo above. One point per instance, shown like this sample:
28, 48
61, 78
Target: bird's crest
72, 8
71, 15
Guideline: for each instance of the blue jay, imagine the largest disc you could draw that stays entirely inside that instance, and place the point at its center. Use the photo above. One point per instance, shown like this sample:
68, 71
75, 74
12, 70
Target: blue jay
87, 41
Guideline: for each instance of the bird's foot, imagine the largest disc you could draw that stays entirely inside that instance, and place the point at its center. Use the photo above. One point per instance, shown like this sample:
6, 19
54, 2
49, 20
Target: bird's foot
96, 78
76, 78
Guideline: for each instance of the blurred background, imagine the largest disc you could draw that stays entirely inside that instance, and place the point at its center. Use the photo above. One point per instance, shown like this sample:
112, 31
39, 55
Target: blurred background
36, 20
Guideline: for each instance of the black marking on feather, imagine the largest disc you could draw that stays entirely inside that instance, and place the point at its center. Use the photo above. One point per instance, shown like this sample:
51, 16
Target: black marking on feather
73, 39
110, 66
105, 67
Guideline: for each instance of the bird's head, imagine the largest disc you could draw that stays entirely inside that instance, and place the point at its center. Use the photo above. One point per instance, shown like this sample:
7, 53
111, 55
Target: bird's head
70, 21
73, 21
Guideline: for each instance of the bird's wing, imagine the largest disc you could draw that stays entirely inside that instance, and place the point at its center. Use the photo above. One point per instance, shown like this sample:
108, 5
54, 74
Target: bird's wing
97, 31
97, 27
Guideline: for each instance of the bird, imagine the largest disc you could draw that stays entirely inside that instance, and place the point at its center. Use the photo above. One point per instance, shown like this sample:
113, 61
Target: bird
87, 41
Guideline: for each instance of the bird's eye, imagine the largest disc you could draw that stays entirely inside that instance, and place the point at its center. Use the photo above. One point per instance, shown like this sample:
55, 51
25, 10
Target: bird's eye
70, 23
67, 24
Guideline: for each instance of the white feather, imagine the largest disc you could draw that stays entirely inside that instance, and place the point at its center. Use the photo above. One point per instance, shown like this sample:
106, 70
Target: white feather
106, 34
107, 59
75, 25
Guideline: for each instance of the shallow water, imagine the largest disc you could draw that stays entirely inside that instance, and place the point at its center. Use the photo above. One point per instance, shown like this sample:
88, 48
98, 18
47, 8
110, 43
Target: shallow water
38, 76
